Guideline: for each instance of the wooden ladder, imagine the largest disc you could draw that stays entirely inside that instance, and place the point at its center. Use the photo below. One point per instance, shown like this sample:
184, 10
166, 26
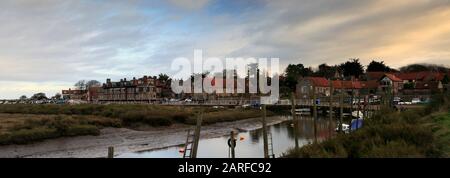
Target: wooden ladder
270, 140
189, 145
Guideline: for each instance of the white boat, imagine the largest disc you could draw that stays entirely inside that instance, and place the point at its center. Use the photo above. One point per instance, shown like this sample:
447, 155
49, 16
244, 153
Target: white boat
355, 114
303, 111
345, 128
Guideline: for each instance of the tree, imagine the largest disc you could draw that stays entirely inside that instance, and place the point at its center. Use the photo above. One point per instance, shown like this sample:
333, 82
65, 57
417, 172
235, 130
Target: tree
326, 71
81, 85
408, 85
92, 83
163, 77
293, 72
424, 67
375, 66
58, 96
446, 79
352, 68
23, 97
39, 96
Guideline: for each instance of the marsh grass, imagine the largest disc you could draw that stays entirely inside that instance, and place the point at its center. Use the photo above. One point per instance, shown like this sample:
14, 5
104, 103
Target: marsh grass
413, 133
21, 124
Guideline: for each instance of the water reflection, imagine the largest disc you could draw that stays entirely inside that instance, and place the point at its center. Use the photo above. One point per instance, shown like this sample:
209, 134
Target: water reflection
251, 146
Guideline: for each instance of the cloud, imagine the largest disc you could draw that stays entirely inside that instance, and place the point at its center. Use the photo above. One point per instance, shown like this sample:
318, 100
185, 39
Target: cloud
53, 42
190, 4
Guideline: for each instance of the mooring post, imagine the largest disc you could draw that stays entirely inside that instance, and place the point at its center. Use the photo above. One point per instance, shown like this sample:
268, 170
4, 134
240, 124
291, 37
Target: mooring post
264, 128
359, 109
294, 119
341, 103
330, 125
197, 134
232, 140
365, 107
315, 113
110, 152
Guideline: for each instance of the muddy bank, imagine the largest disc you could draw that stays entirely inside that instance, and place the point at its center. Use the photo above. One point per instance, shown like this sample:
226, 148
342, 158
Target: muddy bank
125, 140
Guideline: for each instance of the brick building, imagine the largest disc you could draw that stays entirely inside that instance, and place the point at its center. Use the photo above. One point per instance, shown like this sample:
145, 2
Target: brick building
75, 94
143, 89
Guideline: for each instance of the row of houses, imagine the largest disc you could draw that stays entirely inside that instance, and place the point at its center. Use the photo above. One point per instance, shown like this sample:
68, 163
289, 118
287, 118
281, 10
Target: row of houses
377, 83
138, 89
147, 89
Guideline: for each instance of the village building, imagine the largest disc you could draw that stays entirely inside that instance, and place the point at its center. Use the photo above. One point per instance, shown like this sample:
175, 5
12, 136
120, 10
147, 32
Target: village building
348, 87
74, 94
145, 89
391, 83
304, 87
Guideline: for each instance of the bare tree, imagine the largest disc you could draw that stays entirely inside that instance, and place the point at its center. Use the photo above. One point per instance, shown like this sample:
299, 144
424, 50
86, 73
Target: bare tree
92, 83
81, 85
23, 97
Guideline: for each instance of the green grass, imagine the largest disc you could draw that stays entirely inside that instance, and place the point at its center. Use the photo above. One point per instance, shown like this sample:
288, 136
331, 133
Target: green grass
442, 130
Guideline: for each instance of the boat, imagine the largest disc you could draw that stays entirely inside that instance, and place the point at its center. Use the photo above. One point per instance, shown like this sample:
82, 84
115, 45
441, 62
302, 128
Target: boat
357, 114
345, 128
303, 111
356, 124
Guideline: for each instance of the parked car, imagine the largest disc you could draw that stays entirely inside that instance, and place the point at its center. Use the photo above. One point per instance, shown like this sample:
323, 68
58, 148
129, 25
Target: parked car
425, 101
374, 101
404, 103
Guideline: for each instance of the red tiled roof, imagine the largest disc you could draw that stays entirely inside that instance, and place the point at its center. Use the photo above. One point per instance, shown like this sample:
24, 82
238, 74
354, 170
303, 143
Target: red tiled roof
424, 75
435, 76
393, 77
224, 82
375, 75
411, 76
370, 84
318, 81
339, 84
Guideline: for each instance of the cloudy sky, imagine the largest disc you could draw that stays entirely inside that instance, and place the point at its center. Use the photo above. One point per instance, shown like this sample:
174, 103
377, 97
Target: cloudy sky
47, 45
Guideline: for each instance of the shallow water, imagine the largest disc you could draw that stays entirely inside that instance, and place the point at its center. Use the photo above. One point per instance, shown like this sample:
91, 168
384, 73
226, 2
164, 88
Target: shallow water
251, 144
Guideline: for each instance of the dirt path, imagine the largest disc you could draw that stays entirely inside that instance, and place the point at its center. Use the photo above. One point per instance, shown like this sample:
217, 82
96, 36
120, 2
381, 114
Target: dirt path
125, 140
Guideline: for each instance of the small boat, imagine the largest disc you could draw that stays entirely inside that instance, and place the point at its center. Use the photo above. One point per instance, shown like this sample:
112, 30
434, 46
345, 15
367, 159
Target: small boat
356, 124
357, 114
345, 128
303, 111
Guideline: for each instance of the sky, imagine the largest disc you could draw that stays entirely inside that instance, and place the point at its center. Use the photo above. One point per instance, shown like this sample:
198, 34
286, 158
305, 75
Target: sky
48, 45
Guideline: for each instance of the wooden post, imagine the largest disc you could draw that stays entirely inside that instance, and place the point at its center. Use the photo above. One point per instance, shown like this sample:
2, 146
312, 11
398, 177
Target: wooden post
264, 128
232, 144
351, 106
110, 152
330, 125
294, 119
314, 113
358, 111
197, 135
341, 103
